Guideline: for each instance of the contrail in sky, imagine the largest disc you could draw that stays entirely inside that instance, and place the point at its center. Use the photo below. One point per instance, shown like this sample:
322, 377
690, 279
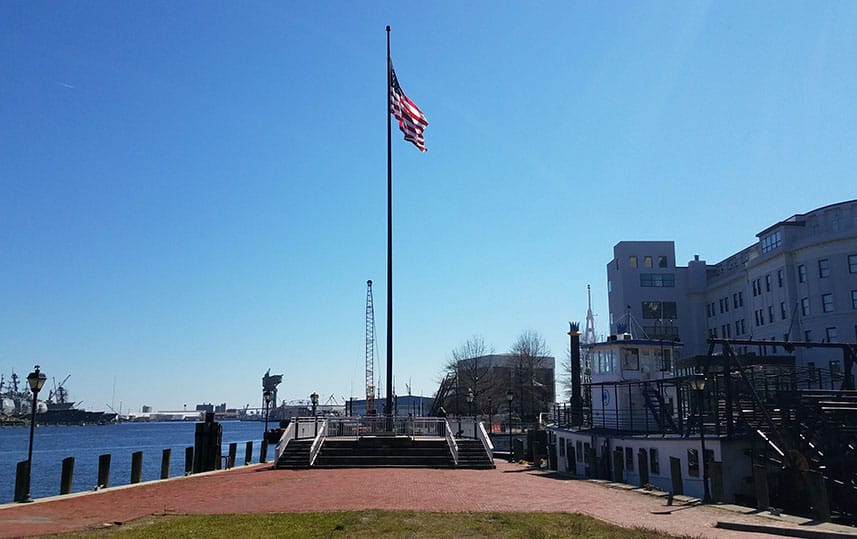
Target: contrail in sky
64, 84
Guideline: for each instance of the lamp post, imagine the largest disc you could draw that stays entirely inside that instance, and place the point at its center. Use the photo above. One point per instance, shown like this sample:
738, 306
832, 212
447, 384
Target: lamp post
510, 396
470, 406
490, 414
36, 379
268, 396
314, 399
698, 385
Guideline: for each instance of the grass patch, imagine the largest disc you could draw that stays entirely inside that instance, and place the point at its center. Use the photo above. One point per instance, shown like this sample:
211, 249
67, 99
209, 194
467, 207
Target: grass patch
372, 524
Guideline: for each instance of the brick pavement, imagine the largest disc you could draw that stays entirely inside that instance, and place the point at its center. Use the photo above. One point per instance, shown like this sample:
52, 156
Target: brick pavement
260, 489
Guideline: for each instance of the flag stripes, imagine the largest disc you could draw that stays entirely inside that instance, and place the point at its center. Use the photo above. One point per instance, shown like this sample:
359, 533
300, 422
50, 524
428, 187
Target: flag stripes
412, 121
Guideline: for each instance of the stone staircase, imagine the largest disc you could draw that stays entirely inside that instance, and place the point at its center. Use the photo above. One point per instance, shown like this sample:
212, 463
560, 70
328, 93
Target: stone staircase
472, 455
295, 456
385, 451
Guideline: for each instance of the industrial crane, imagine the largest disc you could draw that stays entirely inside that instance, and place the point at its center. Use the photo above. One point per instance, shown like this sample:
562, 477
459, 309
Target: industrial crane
370, 351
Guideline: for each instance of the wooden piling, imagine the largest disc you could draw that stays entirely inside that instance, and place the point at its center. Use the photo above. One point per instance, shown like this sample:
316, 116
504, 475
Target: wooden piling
103, 471
263, 451
188, 460
248, 453
136, 467
67, 475
233, 451
165, 463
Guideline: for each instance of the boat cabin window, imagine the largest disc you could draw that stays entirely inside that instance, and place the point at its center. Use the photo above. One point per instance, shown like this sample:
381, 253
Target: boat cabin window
693, 463
630, 359
605, 361
654, 461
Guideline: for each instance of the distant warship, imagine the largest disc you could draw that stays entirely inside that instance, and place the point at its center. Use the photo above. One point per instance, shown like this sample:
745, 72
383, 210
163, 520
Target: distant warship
16, 407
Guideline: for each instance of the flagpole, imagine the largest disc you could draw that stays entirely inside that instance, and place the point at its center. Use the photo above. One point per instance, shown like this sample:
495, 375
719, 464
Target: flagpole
389, 241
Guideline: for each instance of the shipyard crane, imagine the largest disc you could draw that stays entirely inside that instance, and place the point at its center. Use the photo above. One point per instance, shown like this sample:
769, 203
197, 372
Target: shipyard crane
370, 351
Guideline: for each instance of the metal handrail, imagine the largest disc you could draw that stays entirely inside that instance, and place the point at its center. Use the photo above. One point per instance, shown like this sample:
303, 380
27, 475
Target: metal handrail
482, 435
285, 438
450, 440
318, 442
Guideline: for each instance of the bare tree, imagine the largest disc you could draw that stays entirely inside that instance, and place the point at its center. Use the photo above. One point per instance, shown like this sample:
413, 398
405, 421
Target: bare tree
472, 373
529, 352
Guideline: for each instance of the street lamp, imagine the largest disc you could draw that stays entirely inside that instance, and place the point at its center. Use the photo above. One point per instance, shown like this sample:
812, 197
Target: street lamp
698, 385
490, 414
36, 379
510, 396
268, 395
314, 399
470, 406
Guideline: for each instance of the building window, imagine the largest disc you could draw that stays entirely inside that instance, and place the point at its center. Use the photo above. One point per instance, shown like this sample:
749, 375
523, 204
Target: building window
804, 306
824, 268
654, 461
659, 310
757, 287
740, 299
662, 262
720, 301
768, 282
827, 303
579, 451
852, 263
657, 280
629, 459
807, 335
770, 314
832, 334
783, 313
854, 299
561, 444
780, 278
632, 261
647, 262
801, 274
772, 241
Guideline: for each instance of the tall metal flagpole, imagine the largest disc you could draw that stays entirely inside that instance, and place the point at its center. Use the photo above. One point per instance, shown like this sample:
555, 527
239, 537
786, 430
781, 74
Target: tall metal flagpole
389, 240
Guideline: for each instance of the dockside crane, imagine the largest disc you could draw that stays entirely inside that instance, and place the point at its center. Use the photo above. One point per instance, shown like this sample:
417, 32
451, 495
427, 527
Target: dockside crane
370, 350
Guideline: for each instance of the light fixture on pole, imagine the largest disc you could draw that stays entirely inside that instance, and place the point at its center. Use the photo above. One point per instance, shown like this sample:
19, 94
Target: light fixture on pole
314, 399
698, 385
510, 396
268, 395
470, 406
36, 379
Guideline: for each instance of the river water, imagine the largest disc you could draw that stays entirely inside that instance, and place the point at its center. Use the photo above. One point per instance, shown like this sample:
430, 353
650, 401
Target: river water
51, 444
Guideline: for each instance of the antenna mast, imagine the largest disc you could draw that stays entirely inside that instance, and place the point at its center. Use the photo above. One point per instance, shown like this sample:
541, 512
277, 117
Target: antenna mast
370, 351
589, 332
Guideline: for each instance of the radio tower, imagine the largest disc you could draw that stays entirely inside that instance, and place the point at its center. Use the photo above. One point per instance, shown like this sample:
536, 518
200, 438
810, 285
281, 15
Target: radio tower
370, 351
589, 332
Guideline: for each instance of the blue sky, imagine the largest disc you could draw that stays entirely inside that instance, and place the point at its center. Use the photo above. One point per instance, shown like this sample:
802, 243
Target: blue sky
194, 192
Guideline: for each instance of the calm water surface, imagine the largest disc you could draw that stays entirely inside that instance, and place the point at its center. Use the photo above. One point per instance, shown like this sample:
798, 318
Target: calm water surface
51, 444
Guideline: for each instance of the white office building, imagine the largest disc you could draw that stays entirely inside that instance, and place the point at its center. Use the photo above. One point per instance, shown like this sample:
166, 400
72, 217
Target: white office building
796, 282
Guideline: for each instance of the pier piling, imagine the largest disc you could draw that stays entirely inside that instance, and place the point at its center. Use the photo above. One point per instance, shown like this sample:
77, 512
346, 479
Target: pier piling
188, 460
67, 475
263, 451
165, 463
22, 482
248, 453
136, 467
103, 471
233, 451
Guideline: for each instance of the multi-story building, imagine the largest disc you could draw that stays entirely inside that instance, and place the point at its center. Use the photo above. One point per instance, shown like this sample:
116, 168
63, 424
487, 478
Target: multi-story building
797, 282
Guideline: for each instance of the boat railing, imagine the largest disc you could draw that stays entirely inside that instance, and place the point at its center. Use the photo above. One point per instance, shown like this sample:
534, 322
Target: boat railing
450, 440
483, 437
318, 442
285, 438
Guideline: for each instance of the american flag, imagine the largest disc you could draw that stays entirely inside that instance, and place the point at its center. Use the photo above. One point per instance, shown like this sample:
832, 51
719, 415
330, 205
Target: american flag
412, 121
